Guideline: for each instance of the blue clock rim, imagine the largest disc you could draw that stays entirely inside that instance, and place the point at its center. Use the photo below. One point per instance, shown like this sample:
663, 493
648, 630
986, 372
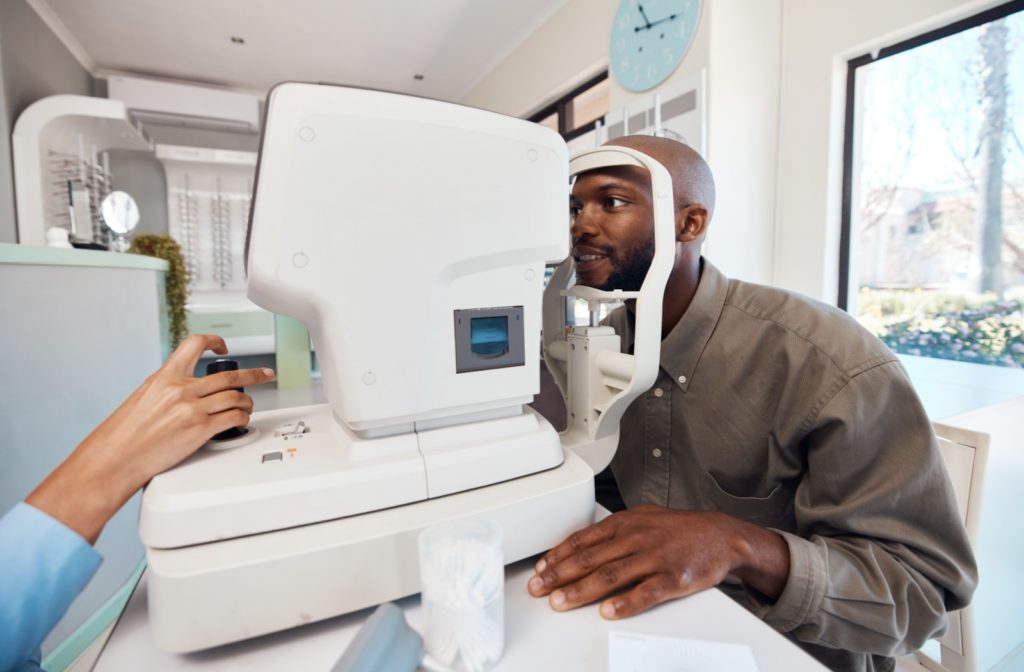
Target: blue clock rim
639, 88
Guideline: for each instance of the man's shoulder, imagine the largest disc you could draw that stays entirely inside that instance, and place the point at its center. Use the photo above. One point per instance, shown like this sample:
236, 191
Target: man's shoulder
819, 326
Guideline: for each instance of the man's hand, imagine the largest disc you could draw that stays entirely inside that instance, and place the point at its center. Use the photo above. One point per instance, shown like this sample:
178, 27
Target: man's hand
164, 421
658, 554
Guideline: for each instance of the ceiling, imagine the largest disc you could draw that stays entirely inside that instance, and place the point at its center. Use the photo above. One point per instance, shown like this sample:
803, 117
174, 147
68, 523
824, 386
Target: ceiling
380, 43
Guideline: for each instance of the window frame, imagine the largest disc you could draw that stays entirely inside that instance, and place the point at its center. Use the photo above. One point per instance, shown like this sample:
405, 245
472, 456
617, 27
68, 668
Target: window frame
563, 108
846, 216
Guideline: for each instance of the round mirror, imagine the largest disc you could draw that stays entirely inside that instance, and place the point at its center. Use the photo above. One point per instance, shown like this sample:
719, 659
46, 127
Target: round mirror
120, 213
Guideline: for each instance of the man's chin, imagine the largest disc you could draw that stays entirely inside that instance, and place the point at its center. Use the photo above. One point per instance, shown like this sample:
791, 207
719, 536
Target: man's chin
600, 283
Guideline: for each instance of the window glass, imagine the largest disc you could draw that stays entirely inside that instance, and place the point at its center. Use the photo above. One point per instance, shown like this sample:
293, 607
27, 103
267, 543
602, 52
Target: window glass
590, 105
936, 208
551, 121
577, 111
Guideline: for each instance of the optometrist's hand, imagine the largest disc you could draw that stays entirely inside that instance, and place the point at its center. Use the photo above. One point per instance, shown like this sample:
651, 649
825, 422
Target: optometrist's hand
170, 416
641, 557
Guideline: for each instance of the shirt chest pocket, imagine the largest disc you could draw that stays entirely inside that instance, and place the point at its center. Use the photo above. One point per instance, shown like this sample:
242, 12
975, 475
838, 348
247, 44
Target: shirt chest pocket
775, 509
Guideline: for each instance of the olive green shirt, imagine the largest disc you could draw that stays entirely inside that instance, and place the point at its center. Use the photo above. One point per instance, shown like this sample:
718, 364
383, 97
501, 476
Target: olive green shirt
785, 412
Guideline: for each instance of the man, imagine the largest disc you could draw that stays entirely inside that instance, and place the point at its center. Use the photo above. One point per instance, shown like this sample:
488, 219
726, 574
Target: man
781, 454
46, 541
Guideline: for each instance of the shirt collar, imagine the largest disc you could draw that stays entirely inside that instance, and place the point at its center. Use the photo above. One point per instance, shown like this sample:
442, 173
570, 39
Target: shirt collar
682, 348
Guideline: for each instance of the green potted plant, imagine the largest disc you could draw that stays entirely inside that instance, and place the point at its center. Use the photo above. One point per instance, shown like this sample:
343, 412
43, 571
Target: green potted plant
166, 248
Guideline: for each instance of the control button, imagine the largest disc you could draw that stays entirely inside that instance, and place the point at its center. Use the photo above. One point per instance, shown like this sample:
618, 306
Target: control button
658, 392
219, 366
306, 134
682, 380
275, 456
656, 452
300, 260
369, 378
291, 428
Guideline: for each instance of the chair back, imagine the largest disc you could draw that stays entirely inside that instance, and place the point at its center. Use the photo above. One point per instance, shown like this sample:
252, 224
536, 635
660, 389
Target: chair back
964, 454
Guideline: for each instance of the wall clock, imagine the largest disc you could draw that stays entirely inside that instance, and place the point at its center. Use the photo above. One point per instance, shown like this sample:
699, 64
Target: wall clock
649, 39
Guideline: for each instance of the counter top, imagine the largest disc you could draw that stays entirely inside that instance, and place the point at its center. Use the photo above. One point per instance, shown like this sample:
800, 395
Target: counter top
11, 253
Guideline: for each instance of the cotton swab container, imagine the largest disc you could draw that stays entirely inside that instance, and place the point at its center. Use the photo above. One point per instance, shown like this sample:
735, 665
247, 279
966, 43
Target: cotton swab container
462, 574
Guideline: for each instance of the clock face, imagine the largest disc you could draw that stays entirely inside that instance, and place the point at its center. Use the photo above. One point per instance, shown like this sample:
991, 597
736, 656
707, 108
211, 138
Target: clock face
649, 40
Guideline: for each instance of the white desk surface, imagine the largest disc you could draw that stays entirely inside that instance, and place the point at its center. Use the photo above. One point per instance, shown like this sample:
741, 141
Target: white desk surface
536, 638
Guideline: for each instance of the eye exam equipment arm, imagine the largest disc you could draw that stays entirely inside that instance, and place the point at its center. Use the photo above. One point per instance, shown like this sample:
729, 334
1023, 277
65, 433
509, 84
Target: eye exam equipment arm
410, 236
597, 380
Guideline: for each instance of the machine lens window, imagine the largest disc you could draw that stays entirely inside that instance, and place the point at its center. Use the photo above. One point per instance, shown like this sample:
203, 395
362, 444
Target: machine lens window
488, 336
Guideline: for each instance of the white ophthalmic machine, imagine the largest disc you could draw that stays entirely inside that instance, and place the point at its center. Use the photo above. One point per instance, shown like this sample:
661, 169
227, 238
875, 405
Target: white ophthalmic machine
410, 236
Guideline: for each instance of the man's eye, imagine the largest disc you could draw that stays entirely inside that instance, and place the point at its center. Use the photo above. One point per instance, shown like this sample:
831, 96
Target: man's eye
613, 202
574, 211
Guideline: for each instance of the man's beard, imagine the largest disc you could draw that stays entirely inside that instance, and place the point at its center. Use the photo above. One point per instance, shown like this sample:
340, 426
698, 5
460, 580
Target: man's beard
630, 274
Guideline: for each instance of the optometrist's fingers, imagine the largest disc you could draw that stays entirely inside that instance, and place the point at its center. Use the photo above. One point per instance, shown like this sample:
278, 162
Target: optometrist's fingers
234, 417
185, 357
650, 592
226, 400
607, 579
228, 380
583, 562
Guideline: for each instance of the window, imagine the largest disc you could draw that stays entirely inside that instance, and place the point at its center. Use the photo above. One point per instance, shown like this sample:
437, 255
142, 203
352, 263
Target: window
932, 256
578, 111
573, 115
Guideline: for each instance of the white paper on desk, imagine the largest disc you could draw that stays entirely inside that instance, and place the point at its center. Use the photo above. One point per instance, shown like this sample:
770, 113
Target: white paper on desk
632, 652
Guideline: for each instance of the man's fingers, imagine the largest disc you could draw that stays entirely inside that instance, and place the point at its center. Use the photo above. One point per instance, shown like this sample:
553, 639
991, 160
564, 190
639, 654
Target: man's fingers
650, 592
226, 400
605, 580
186, 356
578, 565
227, 380
577, 541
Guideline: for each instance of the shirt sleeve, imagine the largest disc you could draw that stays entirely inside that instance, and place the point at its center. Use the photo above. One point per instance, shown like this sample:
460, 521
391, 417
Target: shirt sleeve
45, 566
881, 553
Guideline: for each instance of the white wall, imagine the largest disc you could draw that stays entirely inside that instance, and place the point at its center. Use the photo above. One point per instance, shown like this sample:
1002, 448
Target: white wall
33, 64
567, 50
776, 76
742, 105
818, 37
743, 121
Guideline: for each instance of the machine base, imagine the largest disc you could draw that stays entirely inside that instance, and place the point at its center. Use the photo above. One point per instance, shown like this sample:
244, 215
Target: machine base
211, 594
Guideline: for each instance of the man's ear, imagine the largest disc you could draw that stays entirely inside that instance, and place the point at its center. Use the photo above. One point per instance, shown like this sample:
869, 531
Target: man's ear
691, 223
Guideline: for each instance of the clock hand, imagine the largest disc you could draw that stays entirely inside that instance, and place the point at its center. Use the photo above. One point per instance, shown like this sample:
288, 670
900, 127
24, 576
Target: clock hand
647, 21
667, 18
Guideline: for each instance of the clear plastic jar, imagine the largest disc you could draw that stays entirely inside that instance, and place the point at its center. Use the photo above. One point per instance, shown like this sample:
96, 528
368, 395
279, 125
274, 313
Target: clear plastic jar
462, 574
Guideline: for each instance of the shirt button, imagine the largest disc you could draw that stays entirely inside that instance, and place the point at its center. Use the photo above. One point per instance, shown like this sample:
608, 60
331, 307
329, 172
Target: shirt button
682, 380
656, 452
658, 392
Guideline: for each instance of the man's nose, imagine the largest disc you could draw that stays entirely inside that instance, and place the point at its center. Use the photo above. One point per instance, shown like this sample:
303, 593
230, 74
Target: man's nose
585, 223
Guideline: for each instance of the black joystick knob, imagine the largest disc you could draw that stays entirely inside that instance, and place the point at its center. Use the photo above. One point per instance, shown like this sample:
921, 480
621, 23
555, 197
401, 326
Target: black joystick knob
217, 366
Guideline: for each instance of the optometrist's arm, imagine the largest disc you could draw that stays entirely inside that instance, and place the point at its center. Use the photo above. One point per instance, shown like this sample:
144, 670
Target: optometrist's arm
46, 552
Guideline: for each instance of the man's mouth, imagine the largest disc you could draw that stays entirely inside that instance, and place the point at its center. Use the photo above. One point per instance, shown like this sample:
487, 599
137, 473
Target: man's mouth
585, 254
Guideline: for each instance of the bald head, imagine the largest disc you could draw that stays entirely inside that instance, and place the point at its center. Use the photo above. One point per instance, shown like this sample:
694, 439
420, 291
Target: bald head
692, 182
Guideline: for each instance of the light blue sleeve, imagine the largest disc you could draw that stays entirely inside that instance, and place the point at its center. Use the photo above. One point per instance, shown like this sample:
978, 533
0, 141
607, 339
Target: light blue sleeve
43, 567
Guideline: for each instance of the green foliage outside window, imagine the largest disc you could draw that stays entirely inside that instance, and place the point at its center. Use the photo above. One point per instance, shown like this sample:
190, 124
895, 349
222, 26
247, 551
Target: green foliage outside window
981, 328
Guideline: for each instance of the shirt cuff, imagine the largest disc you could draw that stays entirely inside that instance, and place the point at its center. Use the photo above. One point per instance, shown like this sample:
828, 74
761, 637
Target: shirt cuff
804, 591
45, 565
41, 530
